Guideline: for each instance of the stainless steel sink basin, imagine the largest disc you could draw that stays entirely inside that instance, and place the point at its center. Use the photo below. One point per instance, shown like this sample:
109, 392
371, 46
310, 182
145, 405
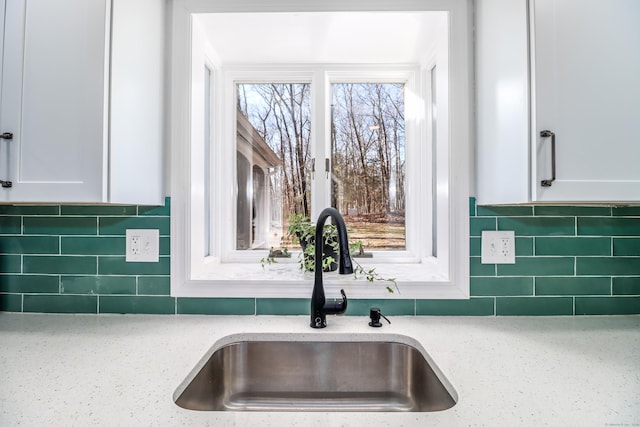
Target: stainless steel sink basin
316, 373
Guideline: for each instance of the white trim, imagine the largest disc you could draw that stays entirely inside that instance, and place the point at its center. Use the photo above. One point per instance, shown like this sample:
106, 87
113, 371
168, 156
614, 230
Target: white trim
450, 281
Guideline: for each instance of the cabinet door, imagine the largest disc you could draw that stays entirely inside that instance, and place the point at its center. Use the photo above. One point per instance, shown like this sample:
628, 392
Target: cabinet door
54, 82
586, 78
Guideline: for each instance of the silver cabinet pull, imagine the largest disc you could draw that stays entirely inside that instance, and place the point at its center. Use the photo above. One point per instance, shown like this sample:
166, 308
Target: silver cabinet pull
7, 136
547, 134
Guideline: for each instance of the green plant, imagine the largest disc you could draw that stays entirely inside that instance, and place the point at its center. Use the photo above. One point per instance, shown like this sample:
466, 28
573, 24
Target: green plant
302, 230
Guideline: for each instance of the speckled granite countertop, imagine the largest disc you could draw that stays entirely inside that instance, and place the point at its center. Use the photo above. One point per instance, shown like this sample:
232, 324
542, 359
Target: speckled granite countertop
123, 369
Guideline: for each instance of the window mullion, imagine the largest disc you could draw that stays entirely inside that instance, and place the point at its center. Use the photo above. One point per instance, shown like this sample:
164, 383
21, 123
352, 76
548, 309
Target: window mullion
320, 141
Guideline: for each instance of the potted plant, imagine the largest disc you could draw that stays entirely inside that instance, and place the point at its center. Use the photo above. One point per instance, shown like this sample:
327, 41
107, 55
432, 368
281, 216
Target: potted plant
302, 230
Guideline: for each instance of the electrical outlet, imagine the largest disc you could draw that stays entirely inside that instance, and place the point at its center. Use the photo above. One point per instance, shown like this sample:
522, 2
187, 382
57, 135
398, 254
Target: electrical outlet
498, 247
142, 245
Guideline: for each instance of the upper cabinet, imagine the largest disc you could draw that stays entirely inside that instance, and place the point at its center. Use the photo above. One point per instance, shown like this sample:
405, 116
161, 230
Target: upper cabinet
82, 101
558, 90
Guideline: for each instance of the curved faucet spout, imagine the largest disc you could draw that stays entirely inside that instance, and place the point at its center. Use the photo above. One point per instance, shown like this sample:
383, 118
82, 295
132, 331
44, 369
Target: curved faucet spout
319, 307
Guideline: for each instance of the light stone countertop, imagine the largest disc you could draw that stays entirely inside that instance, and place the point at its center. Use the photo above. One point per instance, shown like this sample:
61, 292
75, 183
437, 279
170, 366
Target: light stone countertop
507, 371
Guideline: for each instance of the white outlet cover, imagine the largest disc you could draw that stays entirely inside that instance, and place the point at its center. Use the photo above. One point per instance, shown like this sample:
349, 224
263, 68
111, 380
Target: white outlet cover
143, 245
498, 247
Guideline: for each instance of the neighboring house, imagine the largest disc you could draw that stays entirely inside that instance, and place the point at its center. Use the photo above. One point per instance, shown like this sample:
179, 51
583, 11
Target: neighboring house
259, 206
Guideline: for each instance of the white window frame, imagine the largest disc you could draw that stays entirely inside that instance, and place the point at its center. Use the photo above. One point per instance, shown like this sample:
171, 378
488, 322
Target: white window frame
229, 273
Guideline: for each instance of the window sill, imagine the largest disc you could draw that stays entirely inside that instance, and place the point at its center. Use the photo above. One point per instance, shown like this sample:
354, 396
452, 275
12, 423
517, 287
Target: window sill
414, 281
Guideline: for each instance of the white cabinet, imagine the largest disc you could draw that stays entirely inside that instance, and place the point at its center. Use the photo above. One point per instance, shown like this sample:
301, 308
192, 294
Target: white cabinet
82, 90
570, 67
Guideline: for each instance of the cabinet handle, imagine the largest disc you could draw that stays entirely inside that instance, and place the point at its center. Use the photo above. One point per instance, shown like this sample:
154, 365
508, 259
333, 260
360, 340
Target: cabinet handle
547, 134
8, 136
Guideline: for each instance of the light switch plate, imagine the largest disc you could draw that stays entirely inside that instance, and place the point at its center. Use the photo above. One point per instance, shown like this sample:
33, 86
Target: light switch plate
498, 247
142, 245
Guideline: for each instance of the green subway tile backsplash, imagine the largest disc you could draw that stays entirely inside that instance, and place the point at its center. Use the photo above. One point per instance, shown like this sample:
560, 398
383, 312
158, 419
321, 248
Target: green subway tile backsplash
51, 264
470, 307
626, 246
10, 225
626, 285
98, 285
30, 244
11, 302
136, 304
99, 245
572, 211
570, 260
608, 226
43, 303
97, 210
29, 283
538, 226
237, 306
59, 225
573, 286
534, 306
573, 246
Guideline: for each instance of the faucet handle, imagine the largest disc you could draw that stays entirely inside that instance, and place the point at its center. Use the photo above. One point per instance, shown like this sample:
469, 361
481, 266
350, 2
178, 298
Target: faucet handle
336, 307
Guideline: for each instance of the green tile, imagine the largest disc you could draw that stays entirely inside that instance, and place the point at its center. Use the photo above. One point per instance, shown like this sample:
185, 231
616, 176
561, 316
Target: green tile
154, 285
26, 283
472, 206
572, 211
388, 307
60, 225
626, 210
119, 225
573, 246
626, 285
608, 266
10, 225
501, 286
283, 306
477, 225
89, 245
476, 268
609, 226
29, 210
51, 264
119, 266
234, 306
458, 307
98, 210
608, 305
60, 303
538, 226
156, 210
534, 306
165, 246
29, 245
626, 246
137, 304
475, 246
11, 302
537, 266
505, 210
98, 285
10, 264
524, 246
573, 286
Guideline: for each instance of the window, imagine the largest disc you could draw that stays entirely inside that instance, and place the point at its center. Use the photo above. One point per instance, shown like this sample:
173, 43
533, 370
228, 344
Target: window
282, 133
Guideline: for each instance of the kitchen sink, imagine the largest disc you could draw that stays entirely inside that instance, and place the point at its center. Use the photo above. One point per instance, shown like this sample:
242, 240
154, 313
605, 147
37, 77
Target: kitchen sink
309, 372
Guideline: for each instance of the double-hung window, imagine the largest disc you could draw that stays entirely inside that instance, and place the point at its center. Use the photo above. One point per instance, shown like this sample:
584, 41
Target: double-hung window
268, 140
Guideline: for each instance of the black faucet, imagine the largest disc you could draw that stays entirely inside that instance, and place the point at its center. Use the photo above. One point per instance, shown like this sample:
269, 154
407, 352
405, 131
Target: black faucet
319, 307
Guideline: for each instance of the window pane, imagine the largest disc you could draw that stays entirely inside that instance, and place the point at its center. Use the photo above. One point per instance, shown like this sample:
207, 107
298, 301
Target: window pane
273, 161
368, 151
